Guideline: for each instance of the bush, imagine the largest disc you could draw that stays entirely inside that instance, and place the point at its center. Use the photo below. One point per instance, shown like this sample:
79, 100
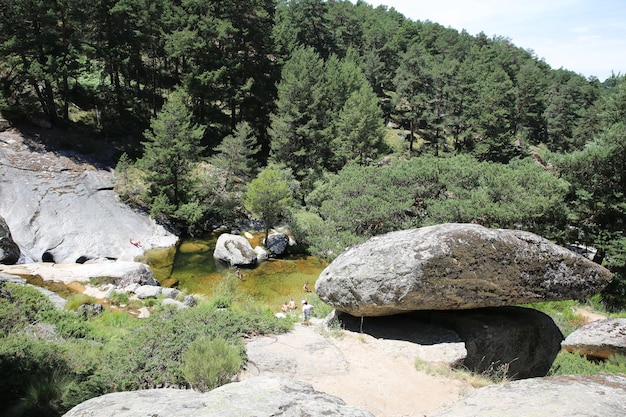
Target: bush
574, 364
33, 377
209, 363
21, 306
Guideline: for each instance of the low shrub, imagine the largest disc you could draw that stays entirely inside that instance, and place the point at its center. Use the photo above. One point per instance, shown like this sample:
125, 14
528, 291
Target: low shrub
209, 363
76, 300
567, 363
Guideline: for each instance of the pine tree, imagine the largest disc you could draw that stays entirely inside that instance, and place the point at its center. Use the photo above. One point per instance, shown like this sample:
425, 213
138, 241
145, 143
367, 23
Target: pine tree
172, 146
235, 155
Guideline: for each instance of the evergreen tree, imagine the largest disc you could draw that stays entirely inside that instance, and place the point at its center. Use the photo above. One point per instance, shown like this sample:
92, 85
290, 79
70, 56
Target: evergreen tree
360, 129
598, 177
297, 139
268, 196
235, 155
172, 147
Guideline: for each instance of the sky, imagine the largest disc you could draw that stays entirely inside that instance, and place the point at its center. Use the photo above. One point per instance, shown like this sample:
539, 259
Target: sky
587, 37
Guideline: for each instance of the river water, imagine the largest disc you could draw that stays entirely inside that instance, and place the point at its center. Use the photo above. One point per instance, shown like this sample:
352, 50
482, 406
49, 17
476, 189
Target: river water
191, 267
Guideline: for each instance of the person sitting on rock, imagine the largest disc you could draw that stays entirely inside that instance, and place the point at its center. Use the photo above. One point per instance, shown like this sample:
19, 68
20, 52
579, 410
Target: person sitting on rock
292, 305
285, 308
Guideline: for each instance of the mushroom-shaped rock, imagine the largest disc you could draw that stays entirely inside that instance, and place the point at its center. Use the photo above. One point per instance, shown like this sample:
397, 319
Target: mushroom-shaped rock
455, 266
261, 397
599, 339
234, 250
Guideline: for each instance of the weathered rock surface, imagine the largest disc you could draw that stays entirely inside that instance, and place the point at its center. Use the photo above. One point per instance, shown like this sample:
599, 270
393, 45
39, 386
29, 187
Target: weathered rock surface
61, 209
515, 342
277, 243
123, 272
9, 250
561, 396
455, 266
599, 339
266, 396
234, 250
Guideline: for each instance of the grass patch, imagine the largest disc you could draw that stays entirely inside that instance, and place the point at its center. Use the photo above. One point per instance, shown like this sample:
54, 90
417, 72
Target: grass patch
567, 363
459, 374
76, 300
562, 312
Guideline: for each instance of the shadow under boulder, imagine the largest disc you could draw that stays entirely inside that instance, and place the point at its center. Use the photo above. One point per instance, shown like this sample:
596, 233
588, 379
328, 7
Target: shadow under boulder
515, 342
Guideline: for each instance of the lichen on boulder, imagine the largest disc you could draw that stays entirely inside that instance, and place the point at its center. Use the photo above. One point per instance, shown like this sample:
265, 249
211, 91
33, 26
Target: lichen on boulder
455, 266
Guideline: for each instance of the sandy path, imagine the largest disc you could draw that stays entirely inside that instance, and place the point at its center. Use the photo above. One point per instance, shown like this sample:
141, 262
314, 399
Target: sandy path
376, 375
588, 315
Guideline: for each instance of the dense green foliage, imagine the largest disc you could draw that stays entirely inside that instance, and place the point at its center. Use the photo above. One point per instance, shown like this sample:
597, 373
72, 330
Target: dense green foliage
360, 202
202, 94
45, 369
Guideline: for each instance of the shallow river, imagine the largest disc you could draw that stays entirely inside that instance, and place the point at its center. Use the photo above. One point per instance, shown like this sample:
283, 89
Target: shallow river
273, 282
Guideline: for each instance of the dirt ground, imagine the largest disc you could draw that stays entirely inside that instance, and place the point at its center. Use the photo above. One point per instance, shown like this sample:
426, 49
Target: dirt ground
373, 374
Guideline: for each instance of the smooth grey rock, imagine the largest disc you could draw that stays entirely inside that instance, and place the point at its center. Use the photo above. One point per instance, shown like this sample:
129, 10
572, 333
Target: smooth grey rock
277, 243
260, 397
147, 291
515, 342
170, 292
190, 301
455, 266
599, 339
9, 250
261, 254
561, 396
234, 250
61, 209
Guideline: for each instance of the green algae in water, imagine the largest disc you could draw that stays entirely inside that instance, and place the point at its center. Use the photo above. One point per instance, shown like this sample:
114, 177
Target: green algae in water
272, 282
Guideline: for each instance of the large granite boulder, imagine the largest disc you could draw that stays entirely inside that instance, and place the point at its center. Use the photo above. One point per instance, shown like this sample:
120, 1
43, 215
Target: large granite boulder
599, 339
560, 396
455, 266
9, 250
63, 209
259, 397
234, 250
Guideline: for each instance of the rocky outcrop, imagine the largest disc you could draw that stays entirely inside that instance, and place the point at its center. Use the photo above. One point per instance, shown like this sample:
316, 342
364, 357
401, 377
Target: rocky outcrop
124, 273
261, 397
561, 396
455, 266
62, 209
234, 250
599, 339
9, 250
